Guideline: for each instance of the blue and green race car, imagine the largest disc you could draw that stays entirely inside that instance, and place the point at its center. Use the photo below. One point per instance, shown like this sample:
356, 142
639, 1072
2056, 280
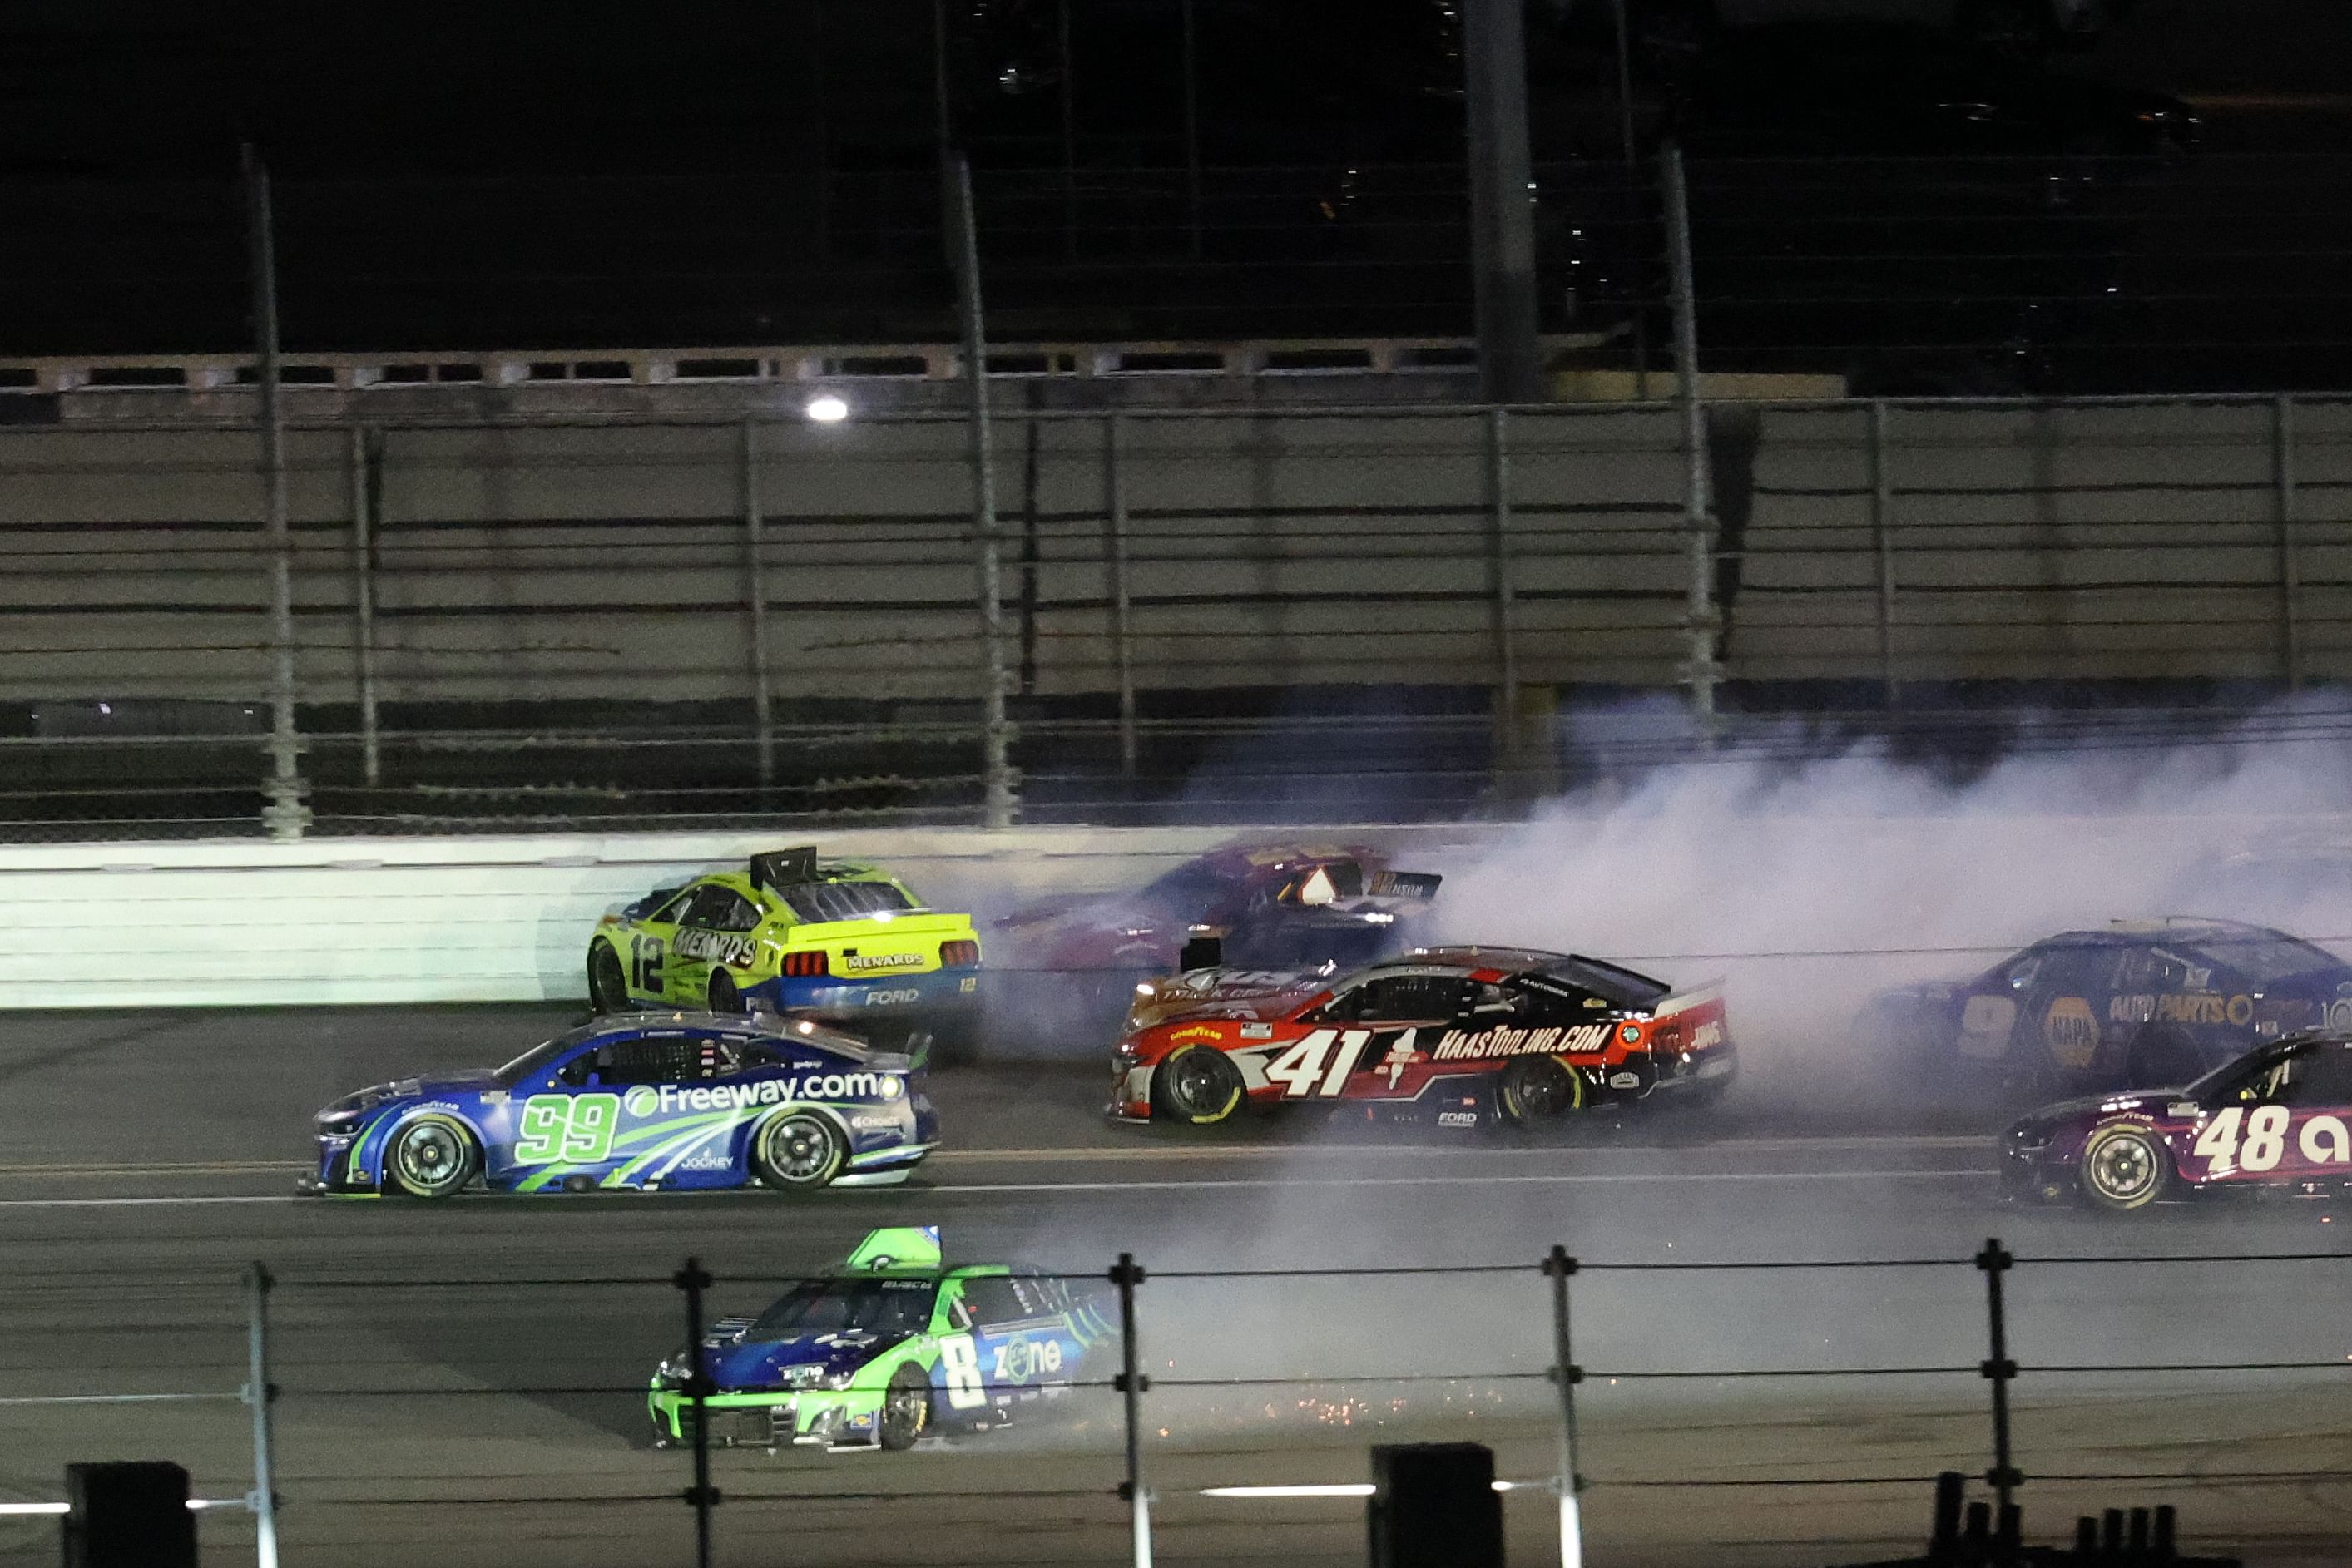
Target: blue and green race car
650, 1101
895, 1347
841, 941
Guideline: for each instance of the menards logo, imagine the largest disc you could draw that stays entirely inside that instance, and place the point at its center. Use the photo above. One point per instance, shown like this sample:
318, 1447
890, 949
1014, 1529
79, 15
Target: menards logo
1458, 1045
866, 963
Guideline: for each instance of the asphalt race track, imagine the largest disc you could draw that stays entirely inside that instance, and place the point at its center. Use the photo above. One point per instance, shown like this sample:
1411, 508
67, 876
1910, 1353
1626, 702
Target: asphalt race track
462, 1384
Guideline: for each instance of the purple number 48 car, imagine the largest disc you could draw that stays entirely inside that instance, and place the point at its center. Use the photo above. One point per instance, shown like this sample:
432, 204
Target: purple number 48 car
2279, 1117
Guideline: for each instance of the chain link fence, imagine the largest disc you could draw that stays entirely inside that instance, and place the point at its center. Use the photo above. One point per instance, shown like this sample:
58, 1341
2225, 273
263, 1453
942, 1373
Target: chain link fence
1208, 615
1783, 1400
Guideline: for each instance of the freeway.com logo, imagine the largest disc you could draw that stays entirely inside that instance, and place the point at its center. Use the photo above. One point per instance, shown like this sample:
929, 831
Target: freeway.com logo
646, 1099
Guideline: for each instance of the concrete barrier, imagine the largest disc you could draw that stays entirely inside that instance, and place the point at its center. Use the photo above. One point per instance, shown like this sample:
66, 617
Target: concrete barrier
236, 923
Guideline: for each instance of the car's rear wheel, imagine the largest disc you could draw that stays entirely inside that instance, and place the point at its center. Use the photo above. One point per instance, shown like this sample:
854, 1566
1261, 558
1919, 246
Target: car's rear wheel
2161, 1058
799, 1152
905, 1408
430, 1157
608, 984
2124, 1167
1198, 1085
724, 997
1534, 1090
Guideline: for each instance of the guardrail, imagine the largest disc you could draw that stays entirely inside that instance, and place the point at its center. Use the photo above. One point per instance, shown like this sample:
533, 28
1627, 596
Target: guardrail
1145, 1444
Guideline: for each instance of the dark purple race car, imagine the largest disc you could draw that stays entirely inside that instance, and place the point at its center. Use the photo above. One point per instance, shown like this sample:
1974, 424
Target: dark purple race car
2278, 1118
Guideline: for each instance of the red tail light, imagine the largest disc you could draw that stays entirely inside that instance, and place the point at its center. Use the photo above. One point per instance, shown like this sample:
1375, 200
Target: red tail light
958, 955
800, 966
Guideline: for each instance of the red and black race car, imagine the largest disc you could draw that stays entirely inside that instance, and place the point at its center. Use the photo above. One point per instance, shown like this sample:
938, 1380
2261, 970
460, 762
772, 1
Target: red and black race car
1470, 1035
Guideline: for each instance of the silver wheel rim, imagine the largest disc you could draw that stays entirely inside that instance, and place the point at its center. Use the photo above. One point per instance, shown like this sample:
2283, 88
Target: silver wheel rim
801, 1150
430, 1157
2123, 1168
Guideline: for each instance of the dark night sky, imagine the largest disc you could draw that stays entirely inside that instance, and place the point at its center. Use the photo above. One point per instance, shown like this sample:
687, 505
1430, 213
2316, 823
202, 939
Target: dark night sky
437, 88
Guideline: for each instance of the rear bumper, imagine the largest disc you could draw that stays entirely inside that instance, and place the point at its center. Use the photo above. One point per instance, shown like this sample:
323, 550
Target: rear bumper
832, 996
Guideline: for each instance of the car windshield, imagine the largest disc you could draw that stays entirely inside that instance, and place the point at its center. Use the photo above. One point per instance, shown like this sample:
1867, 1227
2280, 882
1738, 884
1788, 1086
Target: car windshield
2262, 956
844, 900
2240, 1069
1190, 890
540, 1058
830, 1306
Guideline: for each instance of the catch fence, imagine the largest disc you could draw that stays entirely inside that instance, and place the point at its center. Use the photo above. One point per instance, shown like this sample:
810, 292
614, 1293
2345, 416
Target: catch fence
503, 1417
1211, 615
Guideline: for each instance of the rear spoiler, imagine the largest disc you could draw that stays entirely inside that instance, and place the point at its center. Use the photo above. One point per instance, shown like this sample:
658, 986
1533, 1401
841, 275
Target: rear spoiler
1415, 885
781, 869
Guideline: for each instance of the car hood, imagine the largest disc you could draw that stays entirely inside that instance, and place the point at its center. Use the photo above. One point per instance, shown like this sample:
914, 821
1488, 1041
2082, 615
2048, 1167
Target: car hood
761, 1363
2090, 1108
469, 1081
1255, 995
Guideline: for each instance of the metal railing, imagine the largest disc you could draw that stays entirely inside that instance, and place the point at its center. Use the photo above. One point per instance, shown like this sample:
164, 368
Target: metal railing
1252, 1422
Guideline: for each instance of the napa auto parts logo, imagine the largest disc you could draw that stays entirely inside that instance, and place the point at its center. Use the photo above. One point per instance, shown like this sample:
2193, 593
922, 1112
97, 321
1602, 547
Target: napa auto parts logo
671, 1098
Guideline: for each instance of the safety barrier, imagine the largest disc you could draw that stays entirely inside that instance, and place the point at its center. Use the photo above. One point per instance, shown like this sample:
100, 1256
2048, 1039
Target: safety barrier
1587, 1402
483, 919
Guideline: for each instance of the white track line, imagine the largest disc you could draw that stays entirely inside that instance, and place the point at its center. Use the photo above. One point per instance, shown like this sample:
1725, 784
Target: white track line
955, 1188
1143, 1151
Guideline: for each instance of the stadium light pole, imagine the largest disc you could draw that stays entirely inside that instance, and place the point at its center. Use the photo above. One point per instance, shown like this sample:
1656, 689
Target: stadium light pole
1502, 216
286, 816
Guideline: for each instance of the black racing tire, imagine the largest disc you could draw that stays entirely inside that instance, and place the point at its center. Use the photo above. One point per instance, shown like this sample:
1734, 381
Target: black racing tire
432, 1157
2124, 1167
608, 982
2160, 1057
905, 1409
1198, 1085
1537, 1090
724, 997
799, 1151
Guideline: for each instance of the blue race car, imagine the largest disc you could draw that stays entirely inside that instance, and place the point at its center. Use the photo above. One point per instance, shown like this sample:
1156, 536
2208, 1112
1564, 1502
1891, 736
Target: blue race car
897, 1346
666, 1102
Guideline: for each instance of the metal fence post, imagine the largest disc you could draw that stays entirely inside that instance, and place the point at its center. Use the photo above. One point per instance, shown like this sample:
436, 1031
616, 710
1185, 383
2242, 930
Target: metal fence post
2290, 563
1994, 1261
1566, 1375
1507, 652
1126, 1274
260, 1393
691, 1281
286, 816
755, 592
365, 465
996, 733
1701, 625
1881, 540
1122, 607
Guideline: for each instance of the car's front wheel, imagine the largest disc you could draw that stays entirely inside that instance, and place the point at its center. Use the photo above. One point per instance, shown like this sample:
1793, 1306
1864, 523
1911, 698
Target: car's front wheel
799, 1152
430, 1157
1534, 1090
2124, 1167
608, 984
1198, 1085
905, 1408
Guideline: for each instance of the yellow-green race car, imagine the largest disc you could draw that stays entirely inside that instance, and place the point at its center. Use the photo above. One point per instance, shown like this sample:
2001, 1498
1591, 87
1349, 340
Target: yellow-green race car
840, 941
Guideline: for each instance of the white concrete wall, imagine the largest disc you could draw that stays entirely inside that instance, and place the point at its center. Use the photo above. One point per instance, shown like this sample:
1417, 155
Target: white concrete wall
449, 920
